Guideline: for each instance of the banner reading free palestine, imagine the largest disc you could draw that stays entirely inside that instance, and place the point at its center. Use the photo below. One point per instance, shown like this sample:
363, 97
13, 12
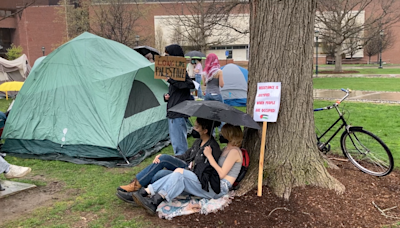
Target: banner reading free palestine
267, 102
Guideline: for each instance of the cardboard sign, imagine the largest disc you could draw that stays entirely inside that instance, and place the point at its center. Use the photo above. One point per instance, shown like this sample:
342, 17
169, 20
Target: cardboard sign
170, 67
267, 102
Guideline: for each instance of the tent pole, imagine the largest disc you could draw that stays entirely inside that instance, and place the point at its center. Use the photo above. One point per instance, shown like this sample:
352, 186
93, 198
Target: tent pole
126, 160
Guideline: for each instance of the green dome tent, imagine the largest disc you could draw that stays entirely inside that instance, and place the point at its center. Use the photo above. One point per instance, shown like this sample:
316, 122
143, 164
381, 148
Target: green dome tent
91, 98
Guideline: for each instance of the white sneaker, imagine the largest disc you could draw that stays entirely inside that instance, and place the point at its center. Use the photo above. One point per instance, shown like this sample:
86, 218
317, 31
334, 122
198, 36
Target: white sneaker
17, 171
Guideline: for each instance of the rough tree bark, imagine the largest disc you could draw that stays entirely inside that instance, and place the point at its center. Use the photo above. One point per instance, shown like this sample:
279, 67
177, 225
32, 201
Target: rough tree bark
281, 42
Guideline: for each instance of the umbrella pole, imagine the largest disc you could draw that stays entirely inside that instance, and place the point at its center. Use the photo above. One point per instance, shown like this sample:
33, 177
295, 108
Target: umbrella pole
261, 164
6, 95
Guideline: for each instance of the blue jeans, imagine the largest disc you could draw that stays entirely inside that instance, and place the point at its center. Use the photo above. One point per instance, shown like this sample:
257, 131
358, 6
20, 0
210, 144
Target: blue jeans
198, 80
217, 97
176, 183
154, 171
4, 166
178, 135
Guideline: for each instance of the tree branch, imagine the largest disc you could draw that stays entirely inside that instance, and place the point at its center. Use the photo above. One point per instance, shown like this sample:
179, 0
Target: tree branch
19, 10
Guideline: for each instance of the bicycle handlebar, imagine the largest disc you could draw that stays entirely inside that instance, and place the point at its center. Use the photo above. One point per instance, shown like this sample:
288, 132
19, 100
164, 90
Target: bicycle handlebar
337, 102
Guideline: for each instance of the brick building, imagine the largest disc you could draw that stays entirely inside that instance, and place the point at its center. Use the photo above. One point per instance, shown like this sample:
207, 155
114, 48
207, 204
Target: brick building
40, 26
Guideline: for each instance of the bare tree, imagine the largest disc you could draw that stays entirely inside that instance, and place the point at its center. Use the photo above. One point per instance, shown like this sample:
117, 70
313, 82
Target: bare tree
116, 20
204, 23
75, 15
344, 19
379, 43
353, 44
160, 41
292, 158
19, 9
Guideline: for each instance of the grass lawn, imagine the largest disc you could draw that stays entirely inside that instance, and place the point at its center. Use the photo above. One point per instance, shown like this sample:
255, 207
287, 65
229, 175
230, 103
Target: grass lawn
359, 65
367, 70
96, 185
371, 84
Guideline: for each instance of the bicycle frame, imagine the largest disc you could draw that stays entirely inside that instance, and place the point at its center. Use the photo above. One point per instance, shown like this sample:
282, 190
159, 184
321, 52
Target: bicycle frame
341, 118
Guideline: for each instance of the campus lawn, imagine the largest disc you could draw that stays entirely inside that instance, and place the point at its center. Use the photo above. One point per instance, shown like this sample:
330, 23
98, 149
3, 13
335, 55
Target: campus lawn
369, 84
96, 185
366, 70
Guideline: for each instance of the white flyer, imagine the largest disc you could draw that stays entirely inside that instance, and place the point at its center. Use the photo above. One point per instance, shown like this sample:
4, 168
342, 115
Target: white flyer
267, 102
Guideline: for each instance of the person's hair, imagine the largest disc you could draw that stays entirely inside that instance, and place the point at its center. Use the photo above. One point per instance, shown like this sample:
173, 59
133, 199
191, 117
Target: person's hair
207, 124
233, 134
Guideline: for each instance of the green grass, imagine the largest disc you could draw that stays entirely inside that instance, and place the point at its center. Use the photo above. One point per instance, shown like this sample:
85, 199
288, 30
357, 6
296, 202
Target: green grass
359, 65
366, 70
370, 84
95, 185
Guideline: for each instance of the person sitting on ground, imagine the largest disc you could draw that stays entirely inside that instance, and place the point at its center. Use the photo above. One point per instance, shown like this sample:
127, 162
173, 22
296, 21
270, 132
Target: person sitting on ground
192, 182
191, 158
12, 171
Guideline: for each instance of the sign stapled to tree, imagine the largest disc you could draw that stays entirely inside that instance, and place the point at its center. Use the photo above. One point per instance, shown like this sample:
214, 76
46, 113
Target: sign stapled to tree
267, 102
170, 67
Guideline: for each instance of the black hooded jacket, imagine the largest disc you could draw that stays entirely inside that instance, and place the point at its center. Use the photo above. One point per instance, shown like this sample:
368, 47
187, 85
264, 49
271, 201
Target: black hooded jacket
178, 90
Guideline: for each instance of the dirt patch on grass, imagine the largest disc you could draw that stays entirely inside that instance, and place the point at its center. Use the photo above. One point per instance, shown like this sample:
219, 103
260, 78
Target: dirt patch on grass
312, 206
343, 72
24, 202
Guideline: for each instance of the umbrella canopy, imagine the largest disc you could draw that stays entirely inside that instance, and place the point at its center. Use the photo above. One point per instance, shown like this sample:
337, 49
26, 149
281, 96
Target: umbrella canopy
11, 86
144, 50
195, 55
215, 110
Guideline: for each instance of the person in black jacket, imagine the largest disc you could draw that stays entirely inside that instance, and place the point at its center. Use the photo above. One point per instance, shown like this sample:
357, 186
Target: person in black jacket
178, 91
164, 164
208, 179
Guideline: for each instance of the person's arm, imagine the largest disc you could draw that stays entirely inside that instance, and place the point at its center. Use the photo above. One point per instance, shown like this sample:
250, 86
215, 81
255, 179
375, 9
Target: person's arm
228, 164
187, 154
221, 79
187, 84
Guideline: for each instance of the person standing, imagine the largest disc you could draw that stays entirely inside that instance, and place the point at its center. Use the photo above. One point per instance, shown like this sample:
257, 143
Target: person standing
178, 92
198, 70
213, 78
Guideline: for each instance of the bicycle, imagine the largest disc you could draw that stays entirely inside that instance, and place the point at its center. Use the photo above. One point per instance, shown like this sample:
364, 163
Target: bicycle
371, 156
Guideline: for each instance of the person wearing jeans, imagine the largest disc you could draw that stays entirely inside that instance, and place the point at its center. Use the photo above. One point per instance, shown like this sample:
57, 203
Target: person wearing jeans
12, 171
178, 92
164, 165
214, 80
191, 182
198, 70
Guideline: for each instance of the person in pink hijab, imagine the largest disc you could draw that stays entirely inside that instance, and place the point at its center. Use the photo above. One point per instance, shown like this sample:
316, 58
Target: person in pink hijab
213, 79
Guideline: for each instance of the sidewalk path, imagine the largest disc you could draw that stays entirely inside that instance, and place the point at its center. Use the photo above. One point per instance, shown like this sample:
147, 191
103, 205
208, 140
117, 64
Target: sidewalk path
357, 95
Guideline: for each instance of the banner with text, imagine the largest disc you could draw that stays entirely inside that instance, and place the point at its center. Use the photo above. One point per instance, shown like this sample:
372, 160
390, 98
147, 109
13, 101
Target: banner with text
170, 67
267, 102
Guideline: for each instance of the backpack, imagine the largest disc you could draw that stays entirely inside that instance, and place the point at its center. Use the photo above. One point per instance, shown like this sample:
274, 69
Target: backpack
243, 170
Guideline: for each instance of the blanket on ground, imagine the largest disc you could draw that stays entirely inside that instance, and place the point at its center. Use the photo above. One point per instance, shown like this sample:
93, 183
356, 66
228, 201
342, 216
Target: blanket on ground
188, 205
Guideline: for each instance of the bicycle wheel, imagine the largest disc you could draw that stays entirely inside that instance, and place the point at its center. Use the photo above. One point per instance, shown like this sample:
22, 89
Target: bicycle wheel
367, 152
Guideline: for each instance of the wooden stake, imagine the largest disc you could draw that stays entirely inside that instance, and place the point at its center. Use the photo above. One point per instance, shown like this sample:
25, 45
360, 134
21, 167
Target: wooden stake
261, 164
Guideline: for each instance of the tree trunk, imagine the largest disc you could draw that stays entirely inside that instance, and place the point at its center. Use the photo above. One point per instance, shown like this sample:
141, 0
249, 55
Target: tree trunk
338, 58
369, 59
281, 43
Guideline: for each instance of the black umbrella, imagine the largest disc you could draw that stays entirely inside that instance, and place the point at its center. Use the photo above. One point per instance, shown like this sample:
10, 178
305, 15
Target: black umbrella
144, 50
215, 110
195, 55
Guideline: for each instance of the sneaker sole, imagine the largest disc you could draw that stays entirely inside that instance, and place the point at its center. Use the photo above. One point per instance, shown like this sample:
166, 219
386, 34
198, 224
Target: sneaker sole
138, 202
125, 200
